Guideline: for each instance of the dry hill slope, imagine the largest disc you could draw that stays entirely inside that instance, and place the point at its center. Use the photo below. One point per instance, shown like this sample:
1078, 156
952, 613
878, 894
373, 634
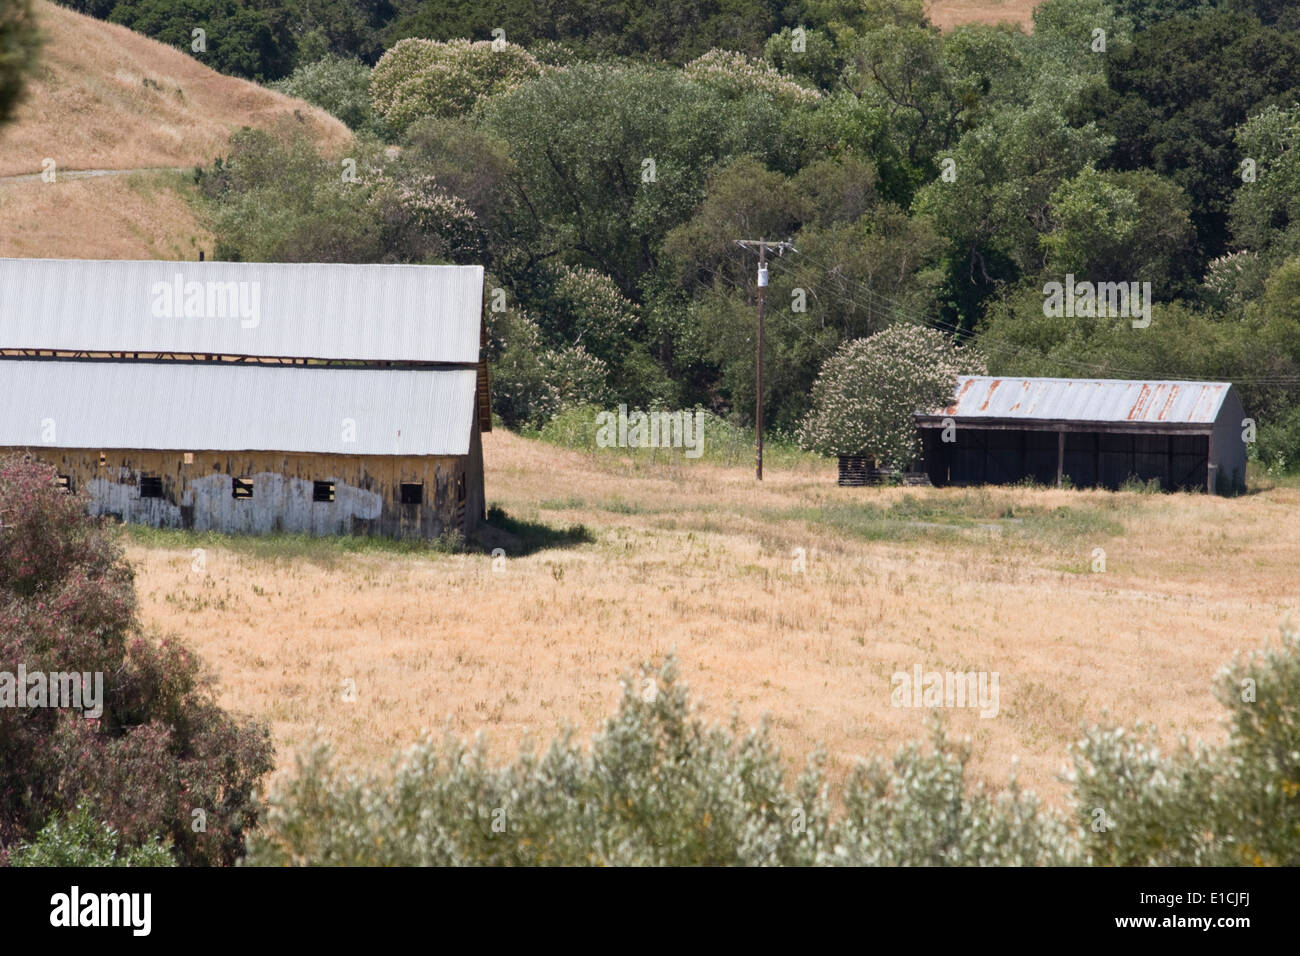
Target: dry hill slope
104, 97
947, 14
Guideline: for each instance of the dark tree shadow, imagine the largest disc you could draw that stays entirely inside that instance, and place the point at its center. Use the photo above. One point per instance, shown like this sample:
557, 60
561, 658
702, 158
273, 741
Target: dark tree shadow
520, 538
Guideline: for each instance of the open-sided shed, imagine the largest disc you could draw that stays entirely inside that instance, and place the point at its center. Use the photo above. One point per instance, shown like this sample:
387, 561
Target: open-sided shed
1096, 432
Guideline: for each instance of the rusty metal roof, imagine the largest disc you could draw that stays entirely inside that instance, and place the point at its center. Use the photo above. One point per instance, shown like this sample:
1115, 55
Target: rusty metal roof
183, 406
400, 313
1086, 400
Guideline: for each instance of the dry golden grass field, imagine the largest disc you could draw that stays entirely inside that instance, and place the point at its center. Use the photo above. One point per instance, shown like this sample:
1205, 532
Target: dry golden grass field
696, 559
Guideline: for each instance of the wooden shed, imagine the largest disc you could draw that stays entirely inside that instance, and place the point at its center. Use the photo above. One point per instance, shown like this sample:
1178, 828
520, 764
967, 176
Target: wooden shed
1095, 432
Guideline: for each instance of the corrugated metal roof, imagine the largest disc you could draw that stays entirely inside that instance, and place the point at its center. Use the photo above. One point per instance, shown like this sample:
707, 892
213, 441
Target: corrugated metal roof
303, 310
194, 407
1087, 400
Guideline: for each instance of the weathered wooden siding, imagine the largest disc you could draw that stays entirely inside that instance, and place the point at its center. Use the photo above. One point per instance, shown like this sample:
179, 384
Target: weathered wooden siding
199, 495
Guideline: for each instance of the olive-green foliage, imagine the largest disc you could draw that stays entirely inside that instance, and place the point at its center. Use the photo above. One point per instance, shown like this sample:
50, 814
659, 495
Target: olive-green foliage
1265, 214
1202, 806
341, 87
862, 264
80, 840
1119, 227
608, 159
657, 786
533, 380
275, 199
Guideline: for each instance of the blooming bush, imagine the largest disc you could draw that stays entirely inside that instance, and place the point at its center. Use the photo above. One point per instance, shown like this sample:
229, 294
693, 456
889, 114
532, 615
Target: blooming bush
531, 380
161, 749
864, 399
417, 78
589, 306
419, 216
338, 85
735, 74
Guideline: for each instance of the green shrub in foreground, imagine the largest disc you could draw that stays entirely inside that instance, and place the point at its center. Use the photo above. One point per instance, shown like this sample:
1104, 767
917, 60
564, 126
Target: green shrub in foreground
81, 840
659, 787
656, 787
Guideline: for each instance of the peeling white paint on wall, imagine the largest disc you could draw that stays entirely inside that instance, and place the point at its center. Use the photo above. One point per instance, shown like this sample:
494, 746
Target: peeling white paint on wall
279, 503
114, 498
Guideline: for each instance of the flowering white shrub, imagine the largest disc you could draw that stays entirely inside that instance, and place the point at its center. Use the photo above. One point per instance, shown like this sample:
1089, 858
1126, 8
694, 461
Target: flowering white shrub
532, 381
864, 399
590, 306
424, 220
1235, 278
418, 78
735, 74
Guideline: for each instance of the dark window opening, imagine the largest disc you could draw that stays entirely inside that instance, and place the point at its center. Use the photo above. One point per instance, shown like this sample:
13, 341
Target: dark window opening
241, 487
150, 486
412, 493
63, 482
460, 488
322, 491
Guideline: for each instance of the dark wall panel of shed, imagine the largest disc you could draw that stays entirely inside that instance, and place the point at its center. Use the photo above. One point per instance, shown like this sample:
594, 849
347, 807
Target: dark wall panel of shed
1005, 456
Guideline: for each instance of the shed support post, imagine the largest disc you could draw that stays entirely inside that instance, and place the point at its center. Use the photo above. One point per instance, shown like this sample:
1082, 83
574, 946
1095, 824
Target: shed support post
1210, 467
1060, 456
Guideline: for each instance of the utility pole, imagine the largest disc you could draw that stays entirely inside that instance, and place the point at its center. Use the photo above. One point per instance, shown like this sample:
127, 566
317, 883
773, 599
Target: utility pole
762, 245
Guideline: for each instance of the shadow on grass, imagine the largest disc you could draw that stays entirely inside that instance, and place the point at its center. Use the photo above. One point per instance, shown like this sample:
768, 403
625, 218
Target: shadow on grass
519, 538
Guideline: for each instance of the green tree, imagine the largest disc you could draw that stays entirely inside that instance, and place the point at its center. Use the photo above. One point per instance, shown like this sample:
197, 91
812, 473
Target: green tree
1120, 226
1175, 97
341, 87
606, 160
